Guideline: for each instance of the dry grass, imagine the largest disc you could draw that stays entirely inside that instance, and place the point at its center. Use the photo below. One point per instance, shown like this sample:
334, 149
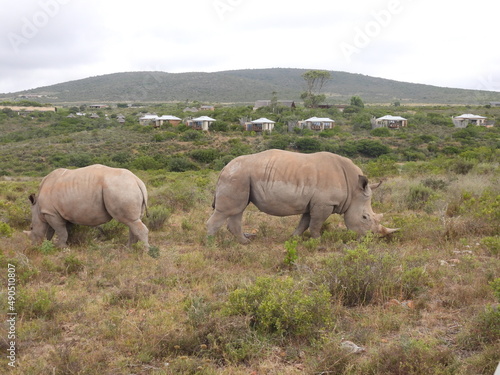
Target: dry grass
101, 308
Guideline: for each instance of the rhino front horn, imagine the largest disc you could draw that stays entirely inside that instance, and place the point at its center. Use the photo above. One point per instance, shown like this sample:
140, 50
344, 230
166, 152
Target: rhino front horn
385, 231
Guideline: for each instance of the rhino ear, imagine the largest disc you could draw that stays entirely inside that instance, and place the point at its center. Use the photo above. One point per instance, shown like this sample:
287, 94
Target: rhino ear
362, 182
32, 198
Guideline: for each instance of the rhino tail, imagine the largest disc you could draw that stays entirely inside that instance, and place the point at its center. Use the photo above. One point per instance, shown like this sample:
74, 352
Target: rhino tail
143, 190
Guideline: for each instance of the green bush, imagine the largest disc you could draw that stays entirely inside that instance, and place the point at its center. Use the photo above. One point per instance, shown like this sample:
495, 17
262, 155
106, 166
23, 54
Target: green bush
146, 162
370, 148
413, 357
80, 160
36, 304
381, 132
5, 229
462, 166
47, 247
191, 135
418, 196
308, 145
282, 306
482, 330
414, 281
181, 164
495, 285
164, 136
72, 264
359, 276
492, 243
122, 158
157, 216
205, 155
290, 252
278, 142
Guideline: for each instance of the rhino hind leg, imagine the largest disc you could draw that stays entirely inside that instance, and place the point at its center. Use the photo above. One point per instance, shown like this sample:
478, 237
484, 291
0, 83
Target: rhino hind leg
304, 222
234, 226
216, 220
138, 232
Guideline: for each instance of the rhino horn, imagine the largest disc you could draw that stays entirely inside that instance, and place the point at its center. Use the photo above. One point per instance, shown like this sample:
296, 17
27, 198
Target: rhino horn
385, 231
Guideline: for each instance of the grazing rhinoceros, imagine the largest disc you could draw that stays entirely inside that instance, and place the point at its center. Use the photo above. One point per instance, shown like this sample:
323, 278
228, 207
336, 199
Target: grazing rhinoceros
284, 183
88, 196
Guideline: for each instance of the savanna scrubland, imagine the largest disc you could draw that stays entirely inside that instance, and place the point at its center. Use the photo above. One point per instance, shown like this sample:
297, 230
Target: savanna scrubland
422, 301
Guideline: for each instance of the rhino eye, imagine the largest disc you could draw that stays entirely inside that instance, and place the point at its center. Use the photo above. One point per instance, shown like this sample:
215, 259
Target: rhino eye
365, 217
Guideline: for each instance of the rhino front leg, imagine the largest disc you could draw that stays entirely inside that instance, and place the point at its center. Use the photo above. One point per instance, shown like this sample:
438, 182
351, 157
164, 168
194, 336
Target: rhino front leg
234, 226
50, 233
318, 217
60, 229
305, 219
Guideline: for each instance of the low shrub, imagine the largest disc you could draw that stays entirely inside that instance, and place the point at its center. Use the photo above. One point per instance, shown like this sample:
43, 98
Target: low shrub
145, 162
157, 217
181, 164
495, 285
492, 243
418, 196
308, 145
282, 306
205, 155
413, 357
47, 247
72, 264
36, 304
482, 330
462, 166
5, 230
290, 252
414, 281
191, 135
360, 276
381, 132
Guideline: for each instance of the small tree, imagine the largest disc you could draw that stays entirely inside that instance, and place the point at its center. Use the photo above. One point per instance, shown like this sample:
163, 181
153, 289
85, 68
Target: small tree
315, 79
356, 101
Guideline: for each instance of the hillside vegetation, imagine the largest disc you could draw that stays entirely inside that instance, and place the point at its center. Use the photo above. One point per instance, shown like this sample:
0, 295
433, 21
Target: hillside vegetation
423, 301
247, 86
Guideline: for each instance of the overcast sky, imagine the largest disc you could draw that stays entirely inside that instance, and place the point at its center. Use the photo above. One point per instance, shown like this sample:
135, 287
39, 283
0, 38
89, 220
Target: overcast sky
443, 43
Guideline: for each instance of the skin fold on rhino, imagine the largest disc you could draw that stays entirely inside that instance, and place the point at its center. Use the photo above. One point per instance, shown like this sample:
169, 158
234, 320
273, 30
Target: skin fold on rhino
90, 196
284, 183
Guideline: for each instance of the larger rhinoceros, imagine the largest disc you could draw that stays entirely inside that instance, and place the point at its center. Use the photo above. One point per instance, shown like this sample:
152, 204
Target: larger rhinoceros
91, 196
284, 183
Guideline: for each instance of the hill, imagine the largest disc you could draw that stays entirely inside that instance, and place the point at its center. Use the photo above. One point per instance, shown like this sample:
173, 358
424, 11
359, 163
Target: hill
246, 86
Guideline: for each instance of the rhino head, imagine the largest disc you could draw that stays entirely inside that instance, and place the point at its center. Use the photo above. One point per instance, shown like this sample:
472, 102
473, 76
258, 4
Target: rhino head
360, 217
39, 228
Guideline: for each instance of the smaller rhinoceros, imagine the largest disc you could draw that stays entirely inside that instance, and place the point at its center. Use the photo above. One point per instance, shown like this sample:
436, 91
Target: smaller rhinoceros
284, 183
90, 196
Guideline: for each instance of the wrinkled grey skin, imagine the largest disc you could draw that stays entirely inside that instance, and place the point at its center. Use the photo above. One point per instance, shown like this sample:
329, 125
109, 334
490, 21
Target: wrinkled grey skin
283, 183
88, 196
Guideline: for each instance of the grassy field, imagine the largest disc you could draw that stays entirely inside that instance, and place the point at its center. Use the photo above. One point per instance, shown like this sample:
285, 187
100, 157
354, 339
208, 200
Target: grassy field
424, 301
421, 302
